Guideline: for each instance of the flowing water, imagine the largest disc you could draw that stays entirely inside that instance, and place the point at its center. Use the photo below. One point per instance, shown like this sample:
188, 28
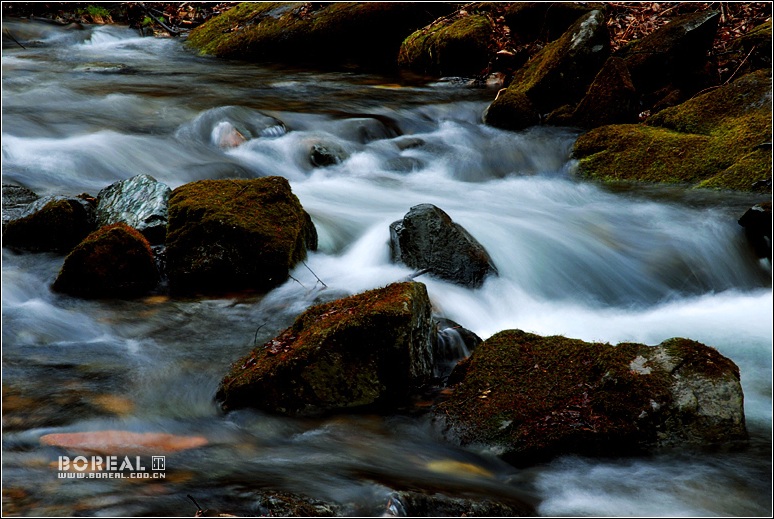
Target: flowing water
84, 108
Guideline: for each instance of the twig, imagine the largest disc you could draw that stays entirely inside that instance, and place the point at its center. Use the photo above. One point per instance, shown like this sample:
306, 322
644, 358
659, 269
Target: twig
315, 275
199, 510
255, 338
419, 273
14, 39
297, 281
740, 65
147, 11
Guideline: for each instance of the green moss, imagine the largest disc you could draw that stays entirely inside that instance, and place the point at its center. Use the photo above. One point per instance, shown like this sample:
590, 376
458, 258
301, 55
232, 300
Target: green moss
712, 140
538, 395
457, 47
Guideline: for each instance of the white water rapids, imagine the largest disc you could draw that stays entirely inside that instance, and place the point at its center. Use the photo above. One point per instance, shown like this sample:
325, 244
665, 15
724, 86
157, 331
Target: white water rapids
83, 109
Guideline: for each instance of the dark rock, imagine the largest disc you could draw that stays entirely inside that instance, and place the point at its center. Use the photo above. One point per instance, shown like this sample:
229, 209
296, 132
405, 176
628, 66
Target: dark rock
365, 129
674, 56
235, 235
757, 227
753, 49
368, 33
712, 140
427, 238
450, 46
113, 261
528, 397
454, 343
369, 350
324, 154
545, 21
140, 202
419, 504
15, 200
611, 98
558, 75
284, 504
53, 223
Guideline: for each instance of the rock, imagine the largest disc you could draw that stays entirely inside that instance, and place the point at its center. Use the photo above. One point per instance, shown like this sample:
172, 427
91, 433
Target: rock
673, 57
284, 504
120, 442
407, 503
140, 202
365, 351
322, 155
226, 136
454, 343
450, 46
52, 223
529, 398
15, 200
755, 47
611, 99
368, 33
427, 238
713, 140
235, 235
113, 261
757, 227
546, 21
557, 75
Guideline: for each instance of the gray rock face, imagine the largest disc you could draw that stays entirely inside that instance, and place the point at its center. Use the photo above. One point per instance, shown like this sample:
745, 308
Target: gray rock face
15, 200
427, 238
369, 351
52, 223
140, 202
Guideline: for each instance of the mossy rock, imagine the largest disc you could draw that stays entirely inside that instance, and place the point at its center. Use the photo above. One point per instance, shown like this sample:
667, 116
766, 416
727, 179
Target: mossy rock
558, 75
231, 235
450, 47
113, 261
369, 33
754, 49
529, 397
367, 351
714, 140
50, 224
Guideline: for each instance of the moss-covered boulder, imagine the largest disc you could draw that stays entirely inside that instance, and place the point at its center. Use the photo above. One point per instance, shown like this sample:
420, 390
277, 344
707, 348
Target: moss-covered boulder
753, 50
368, 33
113, 261
611, 99
720, 139
365, 351
227, 235
427, 239
53, 223
546, 21
558, 75
456, 46
671, 63
530, 397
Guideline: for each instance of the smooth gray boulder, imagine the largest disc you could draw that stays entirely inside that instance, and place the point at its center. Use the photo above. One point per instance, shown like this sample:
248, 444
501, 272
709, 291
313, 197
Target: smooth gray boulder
140, 202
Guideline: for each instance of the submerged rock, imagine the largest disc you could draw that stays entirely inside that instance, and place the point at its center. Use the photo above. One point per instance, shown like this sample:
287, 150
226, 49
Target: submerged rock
235, 235
113, 261
365, 351
427, 238
713, 140
529, 397
757, 227
558, 75
52, 223
140, 202
324, 154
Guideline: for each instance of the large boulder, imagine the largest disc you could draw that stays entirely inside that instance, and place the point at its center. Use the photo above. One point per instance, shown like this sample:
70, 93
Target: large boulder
719, 139
428, 239
52, 223
369, 33
672, 61
140, 202
558, 75
113, 261
228, 235
456, 46
529, 397
365, 351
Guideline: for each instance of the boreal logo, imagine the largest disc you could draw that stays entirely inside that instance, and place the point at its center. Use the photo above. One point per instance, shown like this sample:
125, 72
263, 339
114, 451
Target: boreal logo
111, 467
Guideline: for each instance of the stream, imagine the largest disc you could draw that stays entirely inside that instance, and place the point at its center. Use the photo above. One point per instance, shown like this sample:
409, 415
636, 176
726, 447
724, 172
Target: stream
84, 108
